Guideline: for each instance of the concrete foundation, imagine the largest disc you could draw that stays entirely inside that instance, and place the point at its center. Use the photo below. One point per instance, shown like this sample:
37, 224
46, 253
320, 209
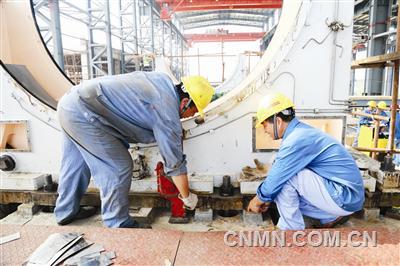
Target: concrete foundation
203, 215
143, 215
22, 181
371, 214
27, 209
249, 187
250, 218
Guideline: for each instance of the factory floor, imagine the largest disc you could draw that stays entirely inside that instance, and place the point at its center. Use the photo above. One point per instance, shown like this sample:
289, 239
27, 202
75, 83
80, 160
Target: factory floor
202, 243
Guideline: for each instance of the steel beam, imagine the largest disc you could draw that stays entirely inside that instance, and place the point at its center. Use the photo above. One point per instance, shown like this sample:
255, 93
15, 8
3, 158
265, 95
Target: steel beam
99, 54
52, 30
213, 201
149, 200
200, 14
151, 7
224, 16
378, 21
196, 5
228, 37
110, 61
221, 22
55, 25
145, 27
129, 35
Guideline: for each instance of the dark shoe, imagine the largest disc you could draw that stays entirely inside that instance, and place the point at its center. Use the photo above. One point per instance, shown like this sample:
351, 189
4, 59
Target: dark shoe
179, 220
134, 224
338, 221
84, 212
142, 225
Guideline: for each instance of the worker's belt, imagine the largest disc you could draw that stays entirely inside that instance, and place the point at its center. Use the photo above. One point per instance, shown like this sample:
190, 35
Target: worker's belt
90, 93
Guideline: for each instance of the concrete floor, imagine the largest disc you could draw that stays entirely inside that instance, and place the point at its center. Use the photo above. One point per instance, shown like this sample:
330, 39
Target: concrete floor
200, 243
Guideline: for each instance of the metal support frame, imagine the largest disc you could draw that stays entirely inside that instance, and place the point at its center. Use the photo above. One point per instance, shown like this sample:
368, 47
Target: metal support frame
99, 54
152, 200
141, 32
48, 12
175, 60
379, 61
378, 17
158, 37
172, 6
145, 27
55, 26
163, 37
129, 35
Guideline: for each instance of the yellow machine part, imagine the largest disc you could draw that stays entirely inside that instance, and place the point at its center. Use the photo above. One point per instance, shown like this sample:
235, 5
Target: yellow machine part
366, 138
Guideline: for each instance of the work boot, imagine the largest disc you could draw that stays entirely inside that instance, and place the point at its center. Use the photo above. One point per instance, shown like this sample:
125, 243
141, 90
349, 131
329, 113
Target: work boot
84, 212
337, 221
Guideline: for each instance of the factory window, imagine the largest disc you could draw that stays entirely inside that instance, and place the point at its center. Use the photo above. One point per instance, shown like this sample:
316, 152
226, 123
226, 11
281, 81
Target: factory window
14, 136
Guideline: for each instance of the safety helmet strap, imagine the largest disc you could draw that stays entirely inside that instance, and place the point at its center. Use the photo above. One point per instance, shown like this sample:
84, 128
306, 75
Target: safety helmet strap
275, 129
186, 106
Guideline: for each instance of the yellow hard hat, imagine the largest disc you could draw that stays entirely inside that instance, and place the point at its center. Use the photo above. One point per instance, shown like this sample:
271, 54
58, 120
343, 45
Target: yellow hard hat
382, 105
272, 104
200, 91
372, 104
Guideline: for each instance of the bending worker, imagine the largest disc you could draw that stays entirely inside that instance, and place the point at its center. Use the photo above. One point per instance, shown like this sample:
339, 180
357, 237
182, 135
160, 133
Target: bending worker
313, 174
101, 117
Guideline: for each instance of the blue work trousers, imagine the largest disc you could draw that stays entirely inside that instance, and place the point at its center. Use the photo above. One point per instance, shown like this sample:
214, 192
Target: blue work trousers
305, 194
89, 150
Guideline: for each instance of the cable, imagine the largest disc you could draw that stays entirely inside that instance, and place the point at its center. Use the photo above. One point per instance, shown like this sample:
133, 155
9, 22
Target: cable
335, 26
31, 113
220, 126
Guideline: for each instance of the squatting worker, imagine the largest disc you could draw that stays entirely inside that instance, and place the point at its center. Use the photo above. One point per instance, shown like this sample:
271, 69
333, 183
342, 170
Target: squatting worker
313, 174
100, 117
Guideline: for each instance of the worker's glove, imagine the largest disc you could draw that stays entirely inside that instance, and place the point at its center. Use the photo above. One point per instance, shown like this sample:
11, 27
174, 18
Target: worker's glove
190, 202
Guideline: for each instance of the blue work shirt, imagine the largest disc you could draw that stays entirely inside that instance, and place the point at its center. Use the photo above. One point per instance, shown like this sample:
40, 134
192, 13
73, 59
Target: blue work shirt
306, 147
397, 127
384, 114
365, 120
150, 102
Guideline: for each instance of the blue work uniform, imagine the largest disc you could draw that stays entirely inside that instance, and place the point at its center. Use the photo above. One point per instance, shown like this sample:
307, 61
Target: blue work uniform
139, 107
384, 123
314, 154
363, 121
397, 127
397, 139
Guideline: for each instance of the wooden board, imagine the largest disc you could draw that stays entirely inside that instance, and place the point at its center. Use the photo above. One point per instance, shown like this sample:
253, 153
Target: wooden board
375, 61
333, 126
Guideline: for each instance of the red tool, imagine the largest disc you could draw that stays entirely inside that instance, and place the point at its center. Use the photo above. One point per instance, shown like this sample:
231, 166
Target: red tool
169, 191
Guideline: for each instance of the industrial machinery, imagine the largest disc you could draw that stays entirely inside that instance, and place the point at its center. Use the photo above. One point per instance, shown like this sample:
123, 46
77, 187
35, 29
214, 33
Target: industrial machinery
31, 85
